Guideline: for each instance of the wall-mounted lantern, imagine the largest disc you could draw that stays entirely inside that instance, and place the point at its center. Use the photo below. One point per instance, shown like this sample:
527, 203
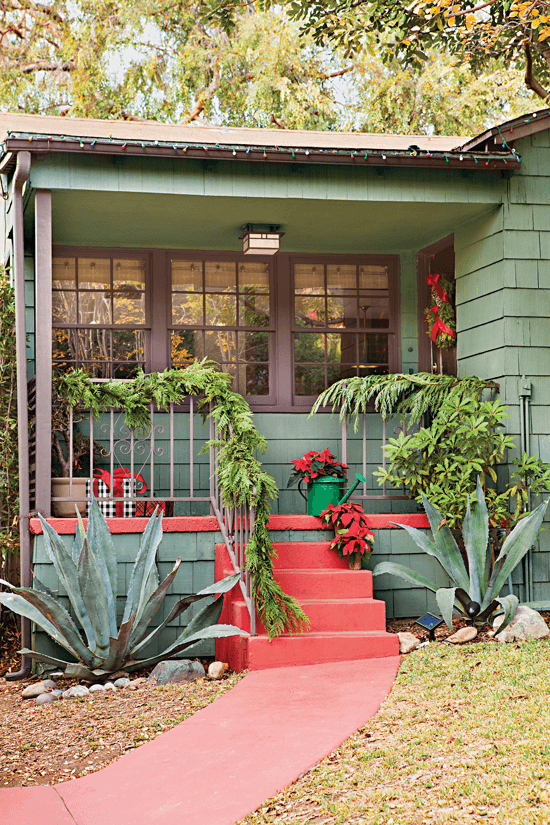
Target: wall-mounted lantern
261, 239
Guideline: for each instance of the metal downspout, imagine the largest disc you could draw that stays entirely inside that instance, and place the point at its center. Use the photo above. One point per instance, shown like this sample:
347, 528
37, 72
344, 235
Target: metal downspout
22, 171
525, 447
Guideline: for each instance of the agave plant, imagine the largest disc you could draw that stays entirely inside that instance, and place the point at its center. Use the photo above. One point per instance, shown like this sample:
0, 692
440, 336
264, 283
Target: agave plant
89, 575
476, 590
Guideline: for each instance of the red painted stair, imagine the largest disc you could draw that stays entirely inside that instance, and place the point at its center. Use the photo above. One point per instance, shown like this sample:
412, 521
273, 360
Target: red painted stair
346, 622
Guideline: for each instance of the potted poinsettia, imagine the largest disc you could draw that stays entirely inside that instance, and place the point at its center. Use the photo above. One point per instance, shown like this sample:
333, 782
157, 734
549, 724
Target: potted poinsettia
353, 536
323, 474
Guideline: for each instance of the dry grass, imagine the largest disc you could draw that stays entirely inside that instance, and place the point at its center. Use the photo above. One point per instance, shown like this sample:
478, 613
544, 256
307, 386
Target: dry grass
464, 737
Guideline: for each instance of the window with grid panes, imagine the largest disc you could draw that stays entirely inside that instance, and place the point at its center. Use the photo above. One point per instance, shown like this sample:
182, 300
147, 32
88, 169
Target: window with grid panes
220, 310
99, 314
344, 322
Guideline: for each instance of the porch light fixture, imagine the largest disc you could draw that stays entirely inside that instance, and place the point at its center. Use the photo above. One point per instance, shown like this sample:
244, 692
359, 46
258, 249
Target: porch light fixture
261, 239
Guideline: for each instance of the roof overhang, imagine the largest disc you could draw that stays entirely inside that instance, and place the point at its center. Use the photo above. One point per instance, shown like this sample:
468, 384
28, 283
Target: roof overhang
504, 135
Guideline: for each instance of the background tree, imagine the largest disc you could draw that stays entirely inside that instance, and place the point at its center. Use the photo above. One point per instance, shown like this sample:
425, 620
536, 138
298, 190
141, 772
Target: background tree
172, 63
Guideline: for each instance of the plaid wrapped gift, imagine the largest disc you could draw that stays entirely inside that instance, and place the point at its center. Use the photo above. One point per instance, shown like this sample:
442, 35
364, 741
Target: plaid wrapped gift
120, 486
147, 508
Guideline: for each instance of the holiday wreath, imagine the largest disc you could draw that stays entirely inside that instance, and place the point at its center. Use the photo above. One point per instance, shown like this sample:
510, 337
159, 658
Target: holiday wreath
440, 316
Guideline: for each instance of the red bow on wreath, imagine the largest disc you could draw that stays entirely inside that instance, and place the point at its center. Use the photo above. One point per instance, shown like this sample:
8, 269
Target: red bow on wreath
433, 280
117, 489
439, 326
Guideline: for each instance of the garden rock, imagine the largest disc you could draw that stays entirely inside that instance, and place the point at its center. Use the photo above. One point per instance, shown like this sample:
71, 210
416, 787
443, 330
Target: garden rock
49, 683
109, 686
45, 699
526, 624
32, 691
465, 634
57, 693
122, 682
407, 642
137, 683
216, 670
97, 689
77, 690
176, 670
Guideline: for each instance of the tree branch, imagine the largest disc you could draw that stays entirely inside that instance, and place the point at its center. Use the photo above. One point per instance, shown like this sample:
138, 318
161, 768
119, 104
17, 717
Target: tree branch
530, 80
207, 94
278, 123
335, 74
46, 66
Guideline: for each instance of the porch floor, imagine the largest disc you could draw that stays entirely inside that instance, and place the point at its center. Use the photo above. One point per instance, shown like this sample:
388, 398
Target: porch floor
226, 760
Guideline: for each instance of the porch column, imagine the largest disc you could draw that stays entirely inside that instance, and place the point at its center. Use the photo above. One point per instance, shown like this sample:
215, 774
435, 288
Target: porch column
43, 264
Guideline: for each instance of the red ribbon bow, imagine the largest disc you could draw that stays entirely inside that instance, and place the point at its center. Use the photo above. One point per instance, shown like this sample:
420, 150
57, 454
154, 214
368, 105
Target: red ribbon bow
439, 325
117, 486
433, 280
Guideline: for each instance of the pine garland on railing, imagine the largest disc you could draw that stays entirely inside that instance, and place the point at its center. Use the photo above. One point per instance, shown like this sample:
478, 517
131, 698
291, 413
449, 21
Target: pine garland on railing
241, 479
398, 394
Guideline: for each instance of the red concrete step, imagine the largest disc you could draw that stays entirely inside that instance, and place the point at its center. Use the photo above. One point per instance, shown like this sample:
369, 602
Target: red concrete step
326, 584
314, 648
307, 555
327, 615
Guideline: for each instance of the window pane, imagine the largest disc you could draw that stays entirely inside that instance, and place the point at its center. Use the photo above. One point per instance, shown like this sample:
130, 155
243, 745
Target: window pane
220, 276
254, 310
187, 276
221, 310
184, 347
63, 307
187, 308
64, 273
64, 343
94, 344
342, 312
341, 278
94, 273
220, 346
309, 380
253, 277
128, 274
374, 312
129, 308
309, 279
373, 277
253, 346
310, 312
129, 345
254, 379
94, 308
309, 347
373, 348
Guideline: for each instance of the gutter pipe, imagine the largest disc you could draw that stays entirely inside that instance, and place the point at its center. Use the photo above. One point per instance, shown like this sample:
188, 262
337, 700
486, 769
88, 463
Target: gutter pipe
525, 443
22, 171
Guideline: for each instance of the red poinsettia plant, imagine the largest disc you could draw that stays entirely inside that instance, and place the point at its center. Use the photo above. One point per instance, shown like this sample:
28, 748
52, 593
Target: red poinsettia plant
314, 464
353, 537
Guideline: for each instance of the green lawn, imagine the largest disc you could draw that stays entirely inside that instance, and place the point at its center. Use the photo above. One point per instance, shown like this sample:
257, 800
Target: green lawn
463, 737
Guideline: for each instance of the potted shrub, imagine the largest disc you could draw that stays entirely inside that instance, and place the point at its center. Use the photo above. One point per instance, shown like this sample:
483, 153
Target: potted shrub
323, 474
353, 537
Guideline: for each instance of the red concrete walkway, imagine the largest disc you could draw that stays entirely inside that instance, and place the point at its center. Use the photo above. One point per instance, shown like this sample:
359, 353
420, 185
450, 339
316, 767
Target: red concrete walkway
223, 762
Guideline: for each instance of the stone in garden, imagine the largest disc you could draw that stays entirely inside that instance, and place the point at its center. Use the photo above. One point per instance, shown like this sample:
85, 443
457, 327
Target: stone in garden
49, 683
216, 670
109, 686
34, 690
97, 689
137, 683
122, 682
176, 670
77, 690
407, 642
57, 674
57, 693
465, 634
526, 624
45, 699
120, 674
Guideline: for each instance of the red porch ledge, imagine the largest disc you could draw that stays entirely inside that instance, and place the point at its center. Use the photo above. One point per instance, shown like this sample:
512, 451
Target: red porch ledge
209, 524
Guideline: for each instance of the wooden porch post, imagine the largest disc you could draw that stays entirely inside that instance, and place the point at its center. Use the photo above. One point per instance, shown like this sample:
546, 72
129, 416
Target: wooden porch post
43, 264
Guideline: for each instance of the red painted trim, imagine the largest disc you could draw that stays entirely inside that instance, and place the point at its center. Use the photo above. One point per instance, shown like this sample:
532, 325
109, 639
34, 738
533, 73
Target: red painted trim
208, 524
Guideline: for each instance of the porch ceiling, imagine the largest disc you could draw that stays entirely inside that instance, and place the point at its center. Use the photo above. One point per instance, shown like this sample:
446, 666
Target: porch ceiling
139, 220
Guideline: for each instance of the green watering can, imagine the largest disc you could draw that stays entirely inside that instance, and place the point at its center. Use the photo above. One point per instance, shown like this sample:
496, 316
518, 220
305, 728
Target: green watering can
324, 491
360, 479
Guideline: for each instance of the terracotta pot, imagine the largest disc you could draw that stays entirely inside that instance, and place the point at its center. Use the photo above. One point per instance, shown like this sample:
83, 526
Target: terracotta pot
61, 489
355, 560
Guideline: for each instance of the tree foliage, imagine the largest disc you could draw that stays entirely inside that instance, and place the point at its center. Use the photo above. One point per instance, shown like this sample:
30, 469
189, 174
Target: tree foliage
178, 63
514, 32
9, 471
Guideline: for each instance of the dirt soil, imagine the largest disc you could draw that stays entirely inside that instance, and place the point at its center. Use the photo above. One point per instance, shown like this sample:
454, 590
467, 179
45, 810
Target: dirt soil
47, 744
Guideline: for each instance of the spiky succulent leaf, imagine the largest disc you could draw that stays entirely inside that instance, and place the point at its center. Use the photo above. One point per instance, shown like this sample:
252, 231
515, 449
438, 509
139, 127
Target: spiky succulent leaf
151, 607
67, 572
95, 589
449, 554
79, 537
509, 604
516, 545
217, 631
119, 647
475, 531
41, 587
101, 545
445, 598
405, 573
141, 570
42, 657
78, 671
